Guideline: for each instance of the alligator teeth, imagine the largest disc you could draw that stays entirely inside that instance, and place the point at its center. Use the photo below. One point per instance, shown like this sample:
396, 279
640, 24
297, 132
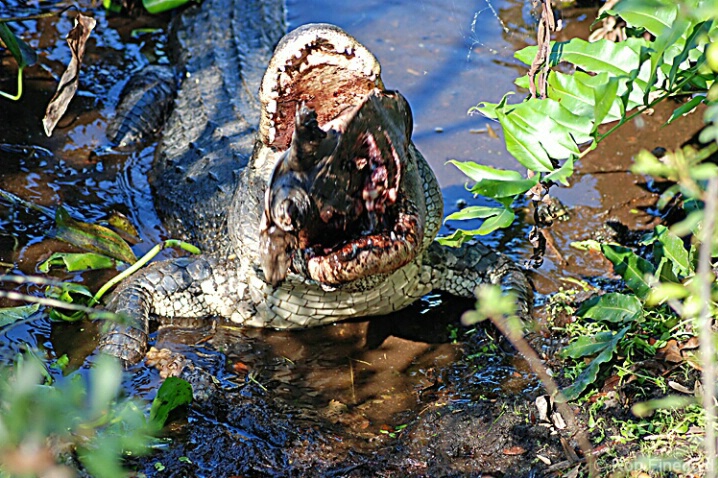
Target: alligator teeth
272, 106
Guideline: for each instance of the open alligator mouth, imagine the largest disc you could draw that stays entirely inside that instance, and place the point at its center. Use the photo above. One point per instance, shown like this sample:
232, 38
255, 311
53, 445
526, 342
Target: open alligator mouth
335, 209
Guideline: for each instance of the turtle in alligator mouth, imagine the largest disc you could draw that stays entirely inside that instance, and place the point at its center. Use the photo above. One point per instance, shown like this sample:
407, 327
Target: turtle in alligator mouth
325, 211
335, 197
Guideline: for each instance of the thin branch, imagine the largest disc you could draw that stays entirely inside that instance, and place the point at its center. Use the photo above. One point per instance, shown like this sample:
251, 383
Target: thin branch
541, 61
533, 360
707, 350
13, 199
48, 302
38, 16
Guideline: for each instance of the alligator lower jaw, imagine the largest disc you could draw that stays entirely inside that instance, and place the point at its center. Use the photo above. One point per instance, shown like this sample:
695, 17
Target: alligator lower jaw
368, 255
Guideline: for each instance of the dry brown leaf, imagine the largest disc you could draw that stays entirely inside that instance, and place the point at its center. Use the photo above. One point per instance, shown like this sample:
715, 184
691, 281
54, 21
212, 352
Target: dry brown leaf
514, 450
671, 352
679, 387
68, 83
692, 343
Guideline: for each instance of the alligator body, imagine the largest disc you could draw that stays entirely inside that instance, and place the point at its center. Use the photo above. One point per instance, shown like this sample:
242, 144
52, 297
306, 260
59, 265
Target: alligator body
294, 170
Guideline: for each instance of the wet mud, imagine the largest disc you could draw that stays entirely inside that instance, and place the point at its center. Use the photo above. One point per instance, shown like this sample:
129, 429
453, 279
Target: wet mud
412, 394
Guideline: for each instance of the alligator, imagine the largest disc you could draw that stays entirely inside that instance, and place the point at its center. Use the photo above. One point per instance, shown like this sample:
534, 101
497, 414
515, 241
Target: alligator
291, 165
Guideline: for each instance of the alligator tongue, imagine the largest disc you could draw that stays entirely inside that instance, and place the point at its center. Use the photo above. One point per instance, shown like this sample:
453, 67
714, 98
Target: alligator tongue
336, 185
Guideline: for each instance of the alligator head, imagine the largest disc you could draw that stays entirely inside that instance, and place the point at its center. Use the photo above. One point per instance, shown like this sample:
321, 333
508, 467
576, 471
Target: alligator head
344, 200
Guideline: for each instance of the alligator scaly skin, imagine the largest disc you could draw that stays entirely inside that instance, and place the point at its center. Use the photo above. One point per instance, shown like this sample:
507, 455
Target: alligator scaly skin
210, 189
222, 49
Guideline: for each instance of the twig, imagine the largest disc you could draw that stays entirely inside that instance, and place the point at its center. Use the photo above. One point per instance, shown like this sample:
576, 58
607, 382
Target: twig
48, 302
38, 16
532, 358
707, 351
13, 199
541, 61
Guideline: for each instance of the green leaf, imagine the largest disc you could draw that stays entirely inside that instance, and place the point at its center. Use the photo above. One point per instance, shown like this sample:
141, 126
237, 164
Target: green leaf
612, 307
73, 261
495, 218
159, 6
631, 267
670, 402
653, 15
671, 247
686, 108
173, 393
604, 97
72, 294
92, 237
115, 6
521, 142
646, 162
457, 238
665, 273
500, 221
473, 212
489, 109
577, 126
562, 174
604, 342
10, 315
666, 291
587, 245
478, 172
618, 59
537, 131
497, 189
698, 32
21, 51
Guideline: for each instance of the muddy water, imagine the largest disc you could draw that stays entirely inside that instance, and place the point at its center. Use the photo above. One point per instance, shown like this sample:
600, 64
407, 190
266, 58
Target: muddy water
444, 56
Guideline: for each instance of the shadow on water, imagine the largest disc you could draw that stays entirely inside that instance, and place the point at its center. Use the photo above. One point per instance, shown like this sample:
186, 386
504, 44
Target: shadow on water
347, 386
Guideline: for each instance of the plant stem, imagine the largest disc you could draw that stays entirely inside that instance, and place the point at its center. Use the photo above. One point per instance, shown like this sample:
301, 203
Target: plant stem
37, 16
707, 350
140, 263
19, 87
58, 304
638, 111
13, 199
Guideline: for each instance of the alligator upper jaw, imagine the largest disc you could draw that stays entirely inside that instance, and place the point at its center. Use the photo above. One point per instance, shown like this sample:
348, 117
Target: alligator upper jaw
318, 65
335, 208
